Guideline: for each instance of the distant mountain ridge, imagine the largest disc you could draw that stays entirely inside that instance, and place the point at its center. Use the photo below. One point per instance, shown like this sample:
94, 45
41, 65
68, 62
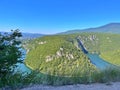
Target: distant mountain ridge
108, 28
29, 35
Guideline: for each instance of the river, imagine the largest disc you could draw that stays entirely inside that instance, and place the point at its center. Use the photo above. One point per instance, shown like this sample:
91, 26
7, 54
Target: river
21, 66
99, 62
94, 58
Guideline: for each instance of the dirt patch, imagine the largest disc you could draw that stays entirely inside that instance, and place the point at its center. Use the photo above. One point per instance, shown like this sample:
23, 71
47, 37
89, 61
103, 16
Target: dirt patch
96, 86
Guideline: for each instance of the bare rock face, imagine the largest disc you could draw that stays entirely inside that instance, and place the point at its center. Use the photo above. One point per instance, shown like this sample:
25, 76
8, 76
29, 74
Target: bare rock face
69, 56
49, 58
42, 42
60, 53
27, 51
92, 37
61, 49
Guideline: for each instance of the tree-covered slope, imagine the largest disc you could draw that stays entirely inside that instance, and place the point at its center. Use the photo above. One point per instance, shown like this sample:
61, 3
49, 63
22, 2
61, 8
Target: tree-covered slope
58, 55
106, 45
61, 55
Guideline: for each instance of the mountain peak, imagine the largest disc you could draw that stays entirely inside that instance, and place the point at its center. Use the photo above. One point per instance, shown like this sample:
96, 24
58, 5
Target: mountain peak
108, 28
113, 24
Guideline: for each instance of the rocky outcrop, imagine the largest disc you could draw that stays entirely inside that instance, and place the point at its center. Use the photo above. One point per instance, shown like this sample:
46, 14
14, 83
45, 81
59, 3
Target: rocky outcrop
42, 42
92, 37
49, 58
60, 53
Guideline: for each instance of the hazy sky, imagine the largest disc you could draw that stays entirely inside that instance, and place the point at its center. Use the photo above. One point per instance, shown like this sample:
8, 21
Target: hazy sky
52, 16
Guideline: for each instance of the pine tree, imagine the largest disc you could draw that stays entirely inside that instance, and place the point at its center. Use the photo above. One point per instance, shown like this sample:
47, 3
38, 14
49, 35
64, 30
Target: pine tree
10, 52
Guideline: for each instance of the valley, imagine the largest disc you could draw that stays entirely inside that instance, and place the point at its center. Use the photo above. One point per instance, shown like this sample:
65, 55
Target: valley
61, 54
59, 44
63, 59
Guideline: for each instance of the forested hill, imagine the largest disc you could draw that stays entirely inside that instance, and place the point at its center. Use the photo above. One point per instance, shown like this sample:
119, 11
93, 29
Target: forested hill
58, 55
61, 55
108, 28
105, 44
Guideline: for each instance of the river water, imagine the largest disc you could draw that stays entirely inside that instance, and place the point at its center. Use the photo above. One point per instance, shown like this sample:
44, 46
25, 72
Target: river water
94, 58
21, 66
99, 62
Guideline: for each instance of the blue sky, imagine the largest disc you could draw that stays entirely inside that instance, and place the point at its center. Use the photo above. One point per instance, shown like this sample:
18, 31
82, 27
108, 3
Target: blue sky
53, 16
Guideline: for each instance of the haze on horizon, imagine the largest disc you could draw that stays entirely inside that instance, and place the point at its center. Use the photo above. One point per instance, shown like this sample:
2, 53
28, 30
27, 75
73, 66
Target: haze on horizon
54, 16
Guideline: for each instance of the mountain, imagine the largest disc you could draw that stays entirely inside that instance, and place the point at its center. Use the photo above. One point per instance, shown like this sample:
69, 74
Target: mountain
63, 55
28, 35
31, 35
108, 28
57, 55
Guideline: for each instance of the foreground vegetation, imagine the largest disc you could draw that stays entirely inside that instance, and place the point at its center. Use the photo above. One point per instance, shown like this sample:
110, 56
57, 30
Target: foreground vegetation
18, 81
10, 53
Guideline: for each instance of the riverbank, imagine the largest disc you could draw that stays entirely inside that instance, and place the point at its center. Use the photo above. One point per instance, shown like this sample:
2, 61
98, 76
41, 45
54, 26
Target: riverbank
28, 66
95, 86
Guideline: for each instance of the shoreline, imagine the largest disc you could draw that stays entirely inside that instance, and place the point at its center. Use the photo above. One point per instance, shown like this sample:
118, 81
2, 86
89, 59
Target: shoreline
29, 67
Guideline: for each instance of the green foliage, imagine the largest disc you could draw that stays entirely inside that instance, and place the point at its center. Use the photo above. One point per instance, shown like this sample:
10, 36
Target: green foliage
18, 81
107, 75
59, 61
58, 55
10, 53
105, 44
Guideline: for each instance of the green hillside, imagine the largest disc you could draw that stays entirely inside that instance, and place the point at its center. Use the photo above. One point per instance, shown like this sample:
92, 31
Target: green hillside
58, 55
106, 45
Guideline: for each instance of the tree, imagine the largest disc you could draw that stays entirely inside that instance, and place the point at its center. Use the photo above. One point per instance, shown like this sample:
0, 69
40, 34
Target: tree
10, 52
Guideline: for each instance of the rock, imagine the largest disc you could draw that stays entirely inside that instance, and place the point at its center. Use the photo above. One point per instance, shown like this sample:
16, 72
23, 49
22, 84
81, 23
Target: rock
49, 58
42, 42
59, 54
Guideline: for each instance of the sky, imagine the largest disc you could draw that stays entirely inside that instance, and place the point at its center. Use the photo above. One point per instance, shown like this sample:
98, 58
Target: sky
54, 16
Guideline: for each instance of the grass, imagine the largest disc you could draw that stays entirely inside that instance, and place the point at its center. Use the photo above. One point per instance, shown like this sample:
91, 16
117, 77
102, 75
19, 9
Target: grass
18, 81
